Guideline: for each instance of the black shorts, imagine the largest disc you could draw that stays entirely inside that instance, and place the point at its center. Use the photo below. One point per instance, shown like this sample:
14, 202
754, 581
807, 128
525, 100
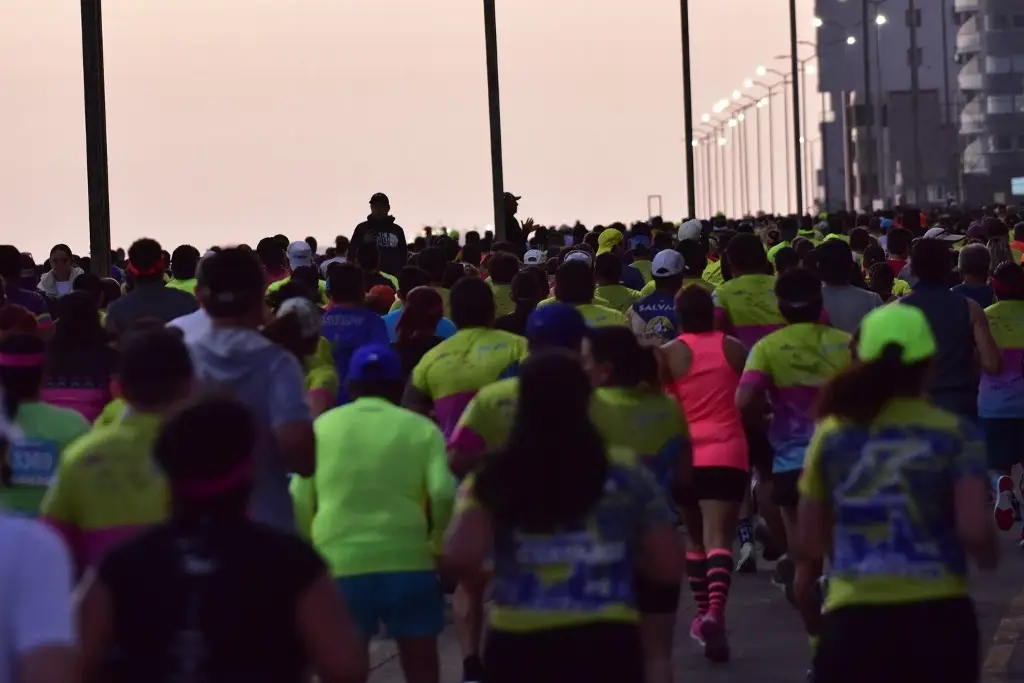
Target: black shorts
924, 641
657, 598
596, 653
785, 493
714, 483
761, 452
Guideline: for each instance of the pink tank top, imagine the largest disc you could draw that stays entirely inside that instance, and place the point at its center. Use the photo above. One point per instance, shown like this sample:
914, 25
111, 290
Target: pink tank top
707, 394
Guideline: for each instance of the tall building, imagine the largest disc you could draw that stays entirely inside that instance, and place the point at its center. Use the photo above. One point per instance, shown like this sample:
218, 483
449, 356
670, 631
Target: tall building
990, 55
871, 154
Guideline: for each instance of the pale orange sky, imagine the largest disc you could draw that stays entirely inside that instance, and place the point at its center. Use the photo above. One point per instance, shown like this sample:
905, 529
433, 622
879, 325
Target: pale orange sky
231, 120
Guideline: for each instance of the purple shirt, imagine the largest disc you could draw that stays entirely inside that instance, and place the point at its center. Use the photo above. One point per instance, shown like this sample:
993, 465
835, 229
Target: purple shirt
33, 302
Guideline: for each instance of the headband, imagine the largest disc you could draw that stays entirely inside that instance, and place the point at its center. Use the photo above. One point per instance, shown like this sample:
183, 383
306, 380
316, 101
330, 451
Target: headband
22, 360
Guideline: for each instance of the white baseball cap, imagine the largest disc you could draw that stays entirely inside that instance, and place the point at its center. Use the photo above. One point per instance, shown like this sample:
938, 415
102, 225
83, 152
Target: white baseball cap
579, 255
299, 254
310, 317
667, 262
938, 233
533, 257
690, 230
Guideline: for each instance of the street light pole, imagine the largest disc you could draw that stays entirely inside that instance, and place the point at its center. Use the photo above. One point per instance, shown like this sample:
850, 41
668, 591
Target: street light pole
691, 190
760, 185
494, 110
915, 90
869, 113
96, 137
794, 65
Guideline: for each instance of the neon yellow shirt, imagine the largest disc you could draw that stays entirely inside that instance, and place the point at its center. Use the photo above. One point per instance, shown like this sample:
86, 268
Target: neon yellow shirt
888, 486
453, 371
619, 297
321, 284
503, 304
790, 366
183, 285
774, 250
111, 413
321, 375
596, 314
749, 305
687, 281
713, 273
107, 487
644, 266
364, 508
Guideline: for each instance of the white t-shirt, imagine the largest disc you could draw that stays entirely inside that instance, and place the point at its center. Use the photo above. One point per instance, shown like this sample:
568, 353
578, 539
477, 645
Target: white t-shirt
193, 325
35, 591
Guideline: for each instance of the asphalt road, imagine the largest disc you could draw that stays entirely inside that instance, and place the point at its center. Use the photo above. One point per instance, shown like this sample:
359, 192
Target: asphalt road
767, 638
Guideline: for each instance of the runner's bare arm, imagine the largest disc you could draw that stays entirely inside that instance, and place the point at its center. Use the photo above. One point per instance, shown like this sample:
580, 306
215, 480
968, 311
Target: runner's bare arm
988, 351
334, 647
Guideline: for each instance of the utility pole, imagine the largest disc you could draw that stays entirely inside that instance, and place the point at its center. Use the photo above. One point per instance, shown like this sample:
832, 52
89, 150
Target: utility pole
826, 195
919, 198
96, 137
691, 183
867, 148
494, 108
797, 135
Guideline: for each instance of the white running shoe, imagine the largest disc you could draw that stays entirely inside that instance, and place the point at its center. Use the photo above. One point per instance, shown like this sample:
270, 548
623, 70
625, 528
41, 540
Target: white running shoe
1003, 511
746, 563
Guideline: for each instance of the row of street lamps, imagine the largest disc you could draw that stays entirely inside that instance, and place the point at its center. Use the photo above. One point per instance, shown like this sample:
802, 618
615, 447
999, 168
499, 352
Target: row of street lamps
730, 187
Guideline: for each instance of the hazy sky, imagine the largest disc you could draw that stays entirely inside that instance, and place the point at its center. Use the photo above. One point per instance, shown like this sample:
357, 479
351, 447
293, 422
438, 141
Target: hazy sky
231, 120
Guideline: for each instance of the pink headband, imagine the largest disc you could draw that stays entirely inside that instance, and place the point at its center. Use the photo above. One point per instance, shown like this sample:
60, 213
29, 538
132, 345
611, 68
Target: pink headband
22, 360
209, 488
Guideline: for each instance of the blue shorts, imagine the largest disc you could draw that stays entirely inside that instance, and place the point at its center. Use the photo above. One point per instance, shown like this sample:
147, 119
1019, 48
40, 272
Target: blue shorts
409, 604
1004, 442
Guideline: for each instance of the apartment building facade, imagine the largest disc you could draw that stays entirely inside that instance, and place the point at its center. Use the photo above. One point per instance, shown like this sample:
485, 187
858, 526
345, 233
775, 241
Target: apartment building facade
990, 59
880, 147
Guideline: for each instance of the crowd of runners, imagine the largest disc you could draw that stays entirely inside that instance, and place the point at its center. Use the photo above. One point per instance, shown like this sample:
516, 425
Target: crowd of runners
243, 464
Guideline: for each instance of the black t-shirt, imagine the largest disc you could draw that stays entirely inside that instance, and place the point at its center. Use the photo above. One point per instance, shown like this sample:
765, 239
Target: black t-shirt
216, 605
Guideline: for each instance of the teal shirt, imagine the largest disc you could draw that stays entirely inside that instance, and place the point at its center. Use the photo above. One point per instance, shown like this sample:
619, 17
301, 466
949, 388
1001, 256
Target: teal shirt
46, 431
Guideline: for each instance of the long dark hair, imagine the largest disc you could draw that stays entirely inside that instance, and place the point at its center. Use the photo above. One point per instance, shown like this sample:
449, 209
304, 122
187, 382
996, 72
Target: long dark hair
420, 315
553, 467
21, 376
205, 450
78, 323
860, 392
632, 364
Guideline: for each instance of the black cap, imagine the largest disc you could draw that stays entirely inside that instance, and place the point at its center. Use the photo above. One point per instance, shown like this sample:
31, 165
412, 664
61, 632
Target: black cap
228, 282
380, 198
512, 197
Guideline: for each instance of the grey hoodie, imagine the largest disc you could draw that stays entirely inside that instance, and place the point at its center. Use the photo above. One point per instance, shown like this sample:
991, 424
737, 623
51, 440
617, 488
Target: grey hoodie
268, 380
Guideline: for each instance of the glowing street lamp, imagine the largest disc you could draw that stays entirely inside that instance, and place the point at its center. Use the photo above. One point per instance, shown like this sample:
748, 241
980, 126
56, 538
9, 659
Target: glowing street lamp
851, 40
881, 20
818, 22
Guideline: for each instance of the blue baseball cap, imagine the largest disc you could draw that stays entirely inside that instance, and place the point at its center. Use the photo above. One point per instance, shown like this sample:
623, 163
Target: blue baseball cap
885, 224
375, 363
556, 325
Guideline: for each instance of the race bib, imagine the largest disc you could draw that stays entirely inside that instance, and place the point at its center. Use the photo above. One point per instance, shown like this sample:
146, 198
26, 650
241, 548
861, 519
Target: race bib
33, 462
